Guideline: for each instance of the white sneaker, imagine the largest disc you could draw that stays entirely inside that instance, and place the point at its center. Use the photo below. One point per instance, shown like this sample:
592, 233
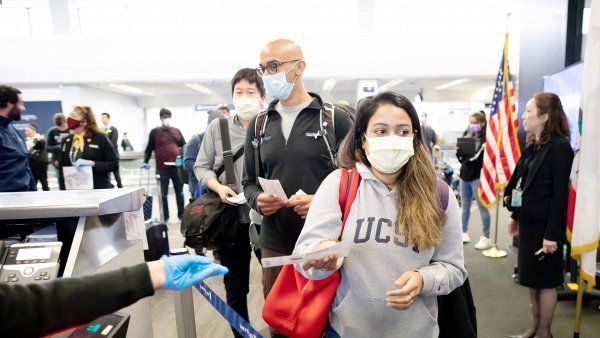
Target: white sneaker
484, 243
466, 238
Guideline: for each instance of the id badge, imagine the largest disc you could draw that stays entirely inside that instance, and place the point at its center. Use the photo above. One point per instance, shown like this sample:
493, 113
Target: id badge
516, 199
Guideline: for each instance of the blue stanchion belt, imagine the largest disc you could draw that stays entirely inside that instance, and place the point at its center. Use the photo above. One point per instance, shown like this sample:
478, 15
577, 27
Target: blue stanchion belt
237, 322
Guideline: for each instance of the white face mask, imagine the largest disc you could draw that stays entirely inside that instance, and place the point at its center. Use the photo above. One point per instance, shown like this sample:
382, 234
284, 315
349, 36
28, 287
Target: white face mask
246, 107
277, 86
389, 153
166, 122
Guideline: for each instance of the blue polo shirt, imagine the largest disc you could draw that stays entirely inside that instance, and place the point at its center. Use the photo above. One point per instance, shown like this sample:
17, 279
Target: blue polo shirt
15, 174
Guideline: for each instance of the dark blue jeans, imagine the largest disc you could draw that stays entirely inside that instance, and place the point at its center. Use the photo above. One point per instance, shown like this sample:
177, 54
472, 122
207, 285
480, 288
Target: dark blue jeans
330, 332
173, 175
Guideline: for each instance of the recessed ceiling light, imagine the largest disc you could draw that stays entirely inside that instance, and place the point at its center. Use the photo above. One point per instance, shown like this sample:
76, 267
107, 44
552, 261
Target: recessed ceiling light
130, 89
451, 84
199, 88
390, 84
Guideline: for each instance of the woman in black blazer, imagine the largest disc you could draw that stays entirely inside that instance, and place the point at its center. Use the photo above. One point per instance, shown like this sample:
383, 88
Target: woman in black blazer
537, 196
88, 146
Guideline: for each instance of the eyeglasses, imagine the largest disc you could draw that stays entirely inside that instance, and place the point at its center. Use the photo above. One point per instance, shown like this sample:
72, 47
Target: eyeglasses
272, 67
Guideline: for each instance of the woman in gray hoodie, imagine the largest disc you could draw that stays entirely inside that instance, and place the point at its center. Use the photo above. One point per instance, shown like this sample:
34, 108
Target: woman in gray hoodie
405, 249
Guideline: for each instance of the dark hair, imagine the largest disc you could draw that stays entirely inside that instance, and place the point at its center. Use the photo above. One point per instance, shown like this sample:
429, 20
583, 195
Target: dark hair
479, 116
223, 106
34, 127
249, 75
106, 114
557, 123
164, 112
419, 215
59, 119
8, 95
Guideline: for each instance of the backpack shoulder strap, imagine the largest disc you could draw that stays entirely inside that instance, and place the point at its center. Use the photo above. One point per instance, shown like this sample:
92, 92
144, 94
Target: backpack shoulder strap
259, 129
442, 192
327, 118
329, 114
349, 183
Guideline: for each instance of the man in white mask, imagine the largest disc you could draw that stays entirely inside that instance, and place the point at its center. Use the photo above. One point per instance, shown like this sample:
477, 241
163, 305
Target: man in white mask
292, 150
248, 98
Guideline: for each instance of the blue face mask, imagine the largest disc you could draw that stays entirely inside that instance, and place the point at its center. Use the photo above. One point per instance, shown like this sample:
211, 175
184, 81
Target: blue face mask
277, 86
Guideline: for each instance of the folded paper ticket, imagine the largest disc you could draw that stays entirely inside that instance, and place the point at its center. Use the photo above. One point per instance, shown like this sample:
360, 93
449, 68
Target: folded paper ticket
340, 249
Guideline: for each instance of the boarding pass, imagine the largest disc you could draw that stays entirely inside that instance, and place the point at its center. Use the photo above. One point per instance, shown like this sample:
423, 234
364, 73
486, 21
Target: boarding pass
341, 249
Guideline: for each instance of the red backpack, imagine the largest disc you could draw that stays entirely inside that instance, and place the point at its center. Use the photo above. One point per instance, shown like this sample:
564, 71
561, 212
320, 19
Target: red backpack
298, 306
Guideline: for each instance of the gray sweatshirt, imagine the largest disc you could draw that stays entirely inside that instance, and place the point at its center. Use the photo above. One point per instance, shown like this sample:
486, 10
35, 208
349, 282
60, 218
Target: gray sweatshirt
378, 257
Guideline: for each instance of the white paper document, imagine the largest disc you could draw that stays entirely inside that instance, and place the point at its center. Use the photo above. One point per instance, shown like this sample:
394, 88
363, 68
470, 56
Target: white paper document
340, 249
239, 199
81, 179
273, 188
135, 228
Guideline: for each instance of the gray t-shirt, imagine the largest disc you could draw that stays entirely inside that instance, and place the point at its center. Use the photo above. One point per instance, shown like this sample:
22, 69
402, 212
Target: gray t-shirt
288, 116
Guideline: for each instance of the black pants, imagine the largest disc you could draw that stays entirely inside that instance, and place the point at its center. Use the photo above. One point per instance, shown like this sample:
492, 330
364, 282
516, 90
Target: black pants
173, 175
237, 259
40, 174
117, 175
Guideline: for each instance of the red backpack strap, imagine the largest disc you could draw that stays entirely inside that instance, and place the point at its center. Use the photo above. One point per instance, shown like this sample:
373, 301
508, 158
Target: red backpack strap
349, 183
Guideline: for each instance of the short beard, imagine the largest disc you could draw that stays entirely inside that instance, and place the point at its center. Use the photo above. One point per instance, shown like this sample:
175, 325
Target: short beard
14, 114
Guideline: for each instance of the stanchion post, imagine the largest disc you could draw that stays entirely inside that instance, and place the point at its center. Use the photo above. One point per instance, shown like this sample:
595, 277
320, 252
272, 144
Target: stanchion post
493, 252
183, 302
184, 313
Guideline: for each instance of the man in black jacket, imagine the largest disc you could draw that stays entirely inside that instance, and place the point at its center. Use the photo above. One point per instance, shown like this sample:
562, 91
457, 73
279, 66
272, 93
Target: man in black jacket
291, 151
113, 136
38, 157
54, 137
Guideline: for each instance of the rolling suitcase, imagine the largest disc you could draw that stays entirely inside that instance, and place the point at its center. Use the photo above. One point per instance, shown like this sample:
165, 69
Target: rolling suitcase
158, 240
149, 198
157, 231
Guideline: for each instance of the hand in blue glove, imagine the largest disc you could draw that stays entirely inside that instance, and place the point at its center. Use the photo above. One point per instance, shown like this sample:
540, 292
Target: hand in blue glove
183, 271
145, 166
83, 163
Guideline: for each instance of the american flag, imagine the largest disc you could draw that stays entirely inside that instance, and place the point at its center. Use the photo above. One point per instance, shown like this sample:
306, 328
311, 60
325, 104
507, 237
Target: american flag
502, 150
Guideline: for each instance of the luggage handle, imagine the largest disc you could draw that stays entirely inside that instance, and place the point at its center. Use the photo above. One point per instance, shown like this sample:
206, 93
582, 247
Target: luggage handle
147, 180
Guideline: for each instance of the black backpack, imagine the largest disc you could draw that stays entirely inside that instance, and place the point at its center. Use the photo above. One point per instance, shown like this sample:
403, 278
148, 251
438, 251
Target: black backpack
207, 221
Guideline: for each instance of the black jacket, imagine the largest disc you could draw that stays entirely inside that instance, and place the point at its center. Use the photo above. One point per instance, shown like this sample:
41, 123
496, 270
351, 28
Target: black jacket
456, 313
545, 187
54, 138
35, 310
470, 165
113, 137
98, 149
302, 162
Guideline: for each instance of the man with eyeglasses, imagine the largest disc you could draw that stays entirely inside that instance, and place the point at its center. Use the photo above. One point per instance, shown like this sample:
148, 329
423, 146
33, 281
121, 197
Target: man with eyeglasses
291, 149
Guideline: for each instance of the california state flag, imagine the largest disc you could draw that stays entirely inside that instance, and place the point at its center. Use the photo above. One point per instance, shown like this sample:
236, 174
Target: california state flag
584, 197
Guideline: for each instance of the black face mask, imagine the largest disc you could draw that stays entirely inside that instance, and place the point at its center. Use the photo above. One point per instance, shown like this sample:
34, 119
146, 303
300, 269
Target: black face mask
14, 114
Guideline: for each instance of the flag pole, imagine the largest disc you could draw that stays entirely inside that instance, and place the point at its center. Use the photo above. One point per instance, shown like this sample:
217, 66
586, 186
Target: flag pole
579, 304
493, 252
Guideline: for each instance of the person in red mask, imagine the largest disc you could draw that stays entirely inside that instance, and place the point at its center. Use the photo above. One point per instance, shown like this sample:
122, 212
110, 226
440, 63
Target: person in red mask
88, 146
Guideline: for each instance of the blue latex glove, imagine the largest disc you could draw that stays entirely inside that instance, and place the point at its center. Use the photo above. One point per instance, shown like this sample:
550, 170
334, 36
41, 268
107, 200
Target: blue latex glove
145, 166
183, 271
83, 163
